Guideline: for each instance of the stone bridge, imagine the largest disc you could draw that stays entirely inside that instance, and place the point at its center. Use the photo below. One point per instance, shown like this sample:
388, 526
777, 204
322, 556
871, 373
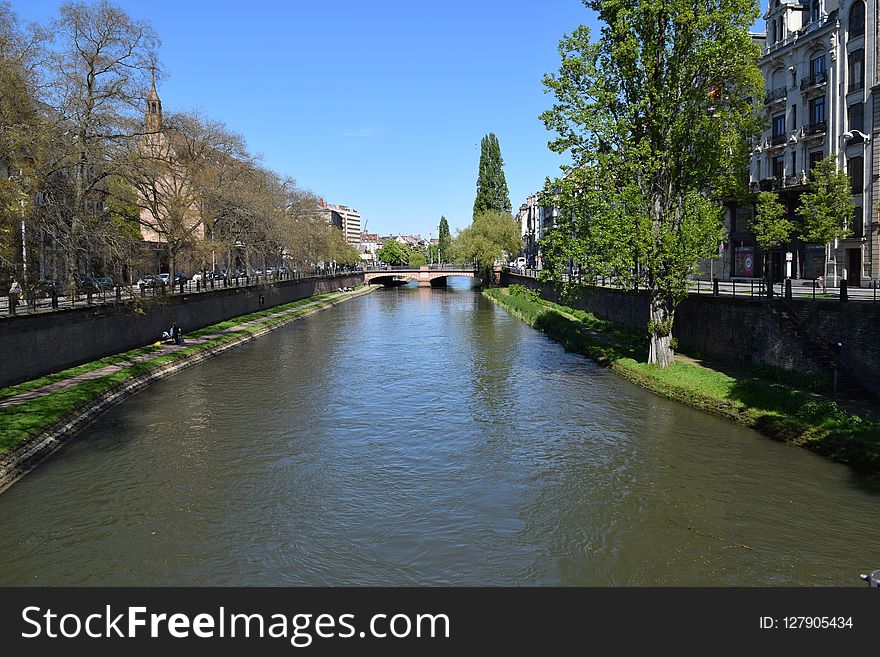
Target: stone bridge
426, 275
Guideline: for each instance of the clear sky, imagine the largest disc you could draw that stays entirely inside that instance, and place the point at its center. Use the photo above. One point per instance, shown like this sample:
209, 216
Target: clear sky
379, 104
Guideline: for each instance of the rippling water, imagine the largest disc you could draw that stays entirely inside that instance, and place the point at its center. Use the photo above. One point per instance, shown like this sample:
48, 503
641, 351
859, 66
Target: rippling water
420, 436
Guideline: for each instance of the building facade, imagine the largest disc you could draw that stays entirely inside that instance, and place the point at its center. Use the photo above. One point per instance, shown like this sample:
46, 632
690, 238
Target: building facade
819, 64
534, 221
346, 218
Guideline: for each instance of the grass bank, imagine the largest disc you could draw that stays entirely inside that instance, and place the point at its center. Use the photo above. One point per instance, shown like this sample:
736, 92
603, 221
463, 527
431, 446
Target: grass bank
21, 422
782, 410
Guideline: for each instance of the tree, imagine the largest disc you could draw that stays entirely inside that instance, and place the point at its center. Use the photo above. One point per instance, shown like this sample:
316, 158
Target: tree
827, 207
492, 193
771, 226
655, 116
24, 137
444, 240
417, 257
99, 71
393, 253
491, 237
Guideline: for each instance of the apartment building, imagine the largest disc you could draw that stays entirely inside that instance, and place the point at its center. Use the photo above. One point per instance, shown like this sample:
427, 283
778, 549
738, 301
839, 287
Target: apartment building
534, 220
819, 63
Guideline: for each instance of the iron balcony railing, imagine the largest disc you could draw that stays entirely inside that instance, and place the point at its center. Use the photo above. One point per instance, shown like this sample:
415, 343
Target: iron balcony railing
815, 128
819, 77
778, 140
776, 95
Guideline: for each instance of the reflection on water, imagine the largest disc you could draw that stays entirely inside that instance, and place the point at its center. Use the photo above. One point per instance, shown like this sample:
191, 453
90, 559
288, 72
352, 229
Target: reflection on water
422, 436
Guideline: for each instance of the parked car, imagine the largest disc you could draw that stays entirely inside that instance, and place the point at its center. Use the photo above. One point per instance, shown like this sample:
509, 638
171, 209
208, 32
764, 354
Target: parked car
150, 280
85, 284
105, 282
179, 278
197, 277
165, 278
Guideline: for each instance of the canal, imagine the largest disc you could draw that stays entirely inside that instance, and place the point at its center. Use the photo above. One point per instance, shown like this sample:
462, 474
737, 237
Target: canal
421, 436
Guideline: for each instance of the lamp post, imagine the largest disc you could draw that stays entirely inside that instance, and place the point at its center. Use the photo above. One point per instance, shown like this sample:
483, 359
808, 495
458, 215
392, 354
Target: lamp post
848, 136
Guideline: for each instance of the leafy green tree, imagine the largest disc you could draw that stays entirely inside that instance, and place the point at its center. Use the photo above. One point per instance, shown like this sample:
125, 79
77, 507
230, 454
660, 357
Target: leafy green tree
827, 207
417, 257
393, 253
771, 226
492, 192
445, 240
655, 116
492, 236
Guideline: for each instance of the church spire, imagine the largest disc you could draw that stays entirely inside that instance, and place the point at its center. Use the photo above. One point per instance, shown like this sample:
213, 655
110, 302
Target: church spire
154, 106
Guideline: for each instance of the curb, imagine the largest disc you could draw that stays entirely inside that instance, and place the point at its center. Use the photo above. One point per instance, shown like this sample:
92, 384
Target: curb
23, 458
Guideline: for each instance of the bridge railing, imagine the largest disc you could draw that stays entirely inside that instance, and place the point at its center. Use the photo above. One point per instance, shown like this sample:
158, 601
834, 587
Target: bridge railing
411, 268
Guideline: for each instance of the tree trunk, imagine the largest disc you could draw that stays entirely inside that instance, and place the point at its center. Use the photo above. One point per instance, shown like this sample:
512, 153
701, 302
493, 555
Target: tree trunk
660, 329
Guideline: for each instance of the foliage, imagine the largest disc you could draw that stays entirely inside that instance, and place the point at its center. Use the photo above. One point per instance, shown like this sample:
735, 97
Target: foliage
393, 253
489, 239
417, 257
827, 207
492, 192
771, 226
524, 292
655, 115
444, 242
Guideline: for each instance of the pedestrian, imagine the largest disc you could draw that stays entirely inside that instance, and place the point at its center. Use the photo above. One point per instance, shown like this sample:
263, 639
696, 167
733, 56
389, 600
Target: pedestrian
14, 294
176, 334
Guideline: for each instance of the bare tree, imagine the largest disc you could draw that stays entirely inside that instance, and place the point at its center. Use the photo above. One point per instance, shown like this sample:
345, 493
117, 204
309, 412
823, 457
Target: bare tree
99, 66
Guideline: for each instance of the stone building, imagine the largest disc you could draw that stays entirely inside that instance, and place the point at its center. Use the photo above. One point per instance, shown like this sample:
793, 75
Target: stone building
819, 63
534, 220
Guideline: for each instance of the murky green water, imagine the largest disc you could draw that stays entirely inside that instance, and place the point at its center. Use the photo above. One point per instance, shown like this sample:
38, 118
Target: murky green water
420, 436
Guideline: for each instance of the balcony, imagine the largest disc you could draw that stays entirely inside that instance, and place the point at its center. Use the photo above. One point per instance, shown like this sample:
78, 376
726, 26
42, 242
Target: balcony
799, 180
814, 79
769, 184
778, 140
776, 95
813, 129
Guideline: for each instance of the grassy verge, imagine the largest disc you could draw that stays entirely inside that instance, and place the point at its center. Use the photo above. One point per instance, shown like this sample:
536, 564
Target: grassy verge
777, 408
20, 422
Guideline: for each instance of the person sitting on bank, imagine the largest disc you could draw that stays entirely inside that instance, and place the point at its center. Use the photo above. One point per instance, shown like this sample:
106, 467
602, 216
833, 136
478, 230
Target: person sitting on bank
14, 294
176, 334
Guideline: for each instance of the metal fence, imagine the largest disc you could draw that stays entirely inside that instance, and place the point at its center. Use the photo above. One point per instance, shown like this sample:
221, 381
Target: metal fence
30, 304
752, 287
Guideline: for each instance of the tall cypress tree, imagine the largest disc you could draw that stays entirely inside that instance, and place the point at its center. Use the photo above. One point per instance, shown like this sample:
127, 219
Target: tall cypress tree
492, 192
445, 238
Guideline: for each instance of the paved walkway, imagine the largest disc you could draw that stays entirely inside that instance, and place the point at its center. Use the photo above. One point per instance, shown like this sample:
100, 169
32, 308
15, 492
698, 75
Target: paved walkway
63, 384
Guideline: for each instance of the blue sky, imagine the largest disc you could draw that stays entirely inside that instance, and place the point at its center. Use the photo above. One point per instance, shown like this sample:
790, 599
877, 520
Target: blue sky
379, 105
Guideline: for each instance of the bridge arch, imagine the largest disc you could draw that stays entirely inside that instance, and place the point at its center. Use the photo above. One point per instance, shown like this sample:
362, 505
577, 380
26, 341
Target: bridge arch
426, 275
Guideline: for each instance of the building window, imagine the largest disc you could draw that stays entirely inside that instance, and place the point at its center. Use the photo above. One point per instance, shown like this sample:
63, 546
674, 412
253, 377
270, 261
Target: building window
814, 10
817, 110
858, 228
857, 69
857, 19
856, 121
778, 167
815, 158
817, 65
855, 169
779, 125
794, 170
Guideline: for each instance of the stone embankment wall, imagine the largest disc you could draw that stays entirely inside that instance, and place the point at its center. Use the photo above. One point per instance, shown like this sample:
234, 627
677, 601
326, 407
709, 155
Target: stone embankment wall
34, 345
740, 329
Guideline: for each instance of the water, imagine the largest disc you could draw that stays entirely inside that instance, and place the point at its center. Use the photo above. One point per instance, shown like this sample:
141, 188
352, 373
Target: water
419, 436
